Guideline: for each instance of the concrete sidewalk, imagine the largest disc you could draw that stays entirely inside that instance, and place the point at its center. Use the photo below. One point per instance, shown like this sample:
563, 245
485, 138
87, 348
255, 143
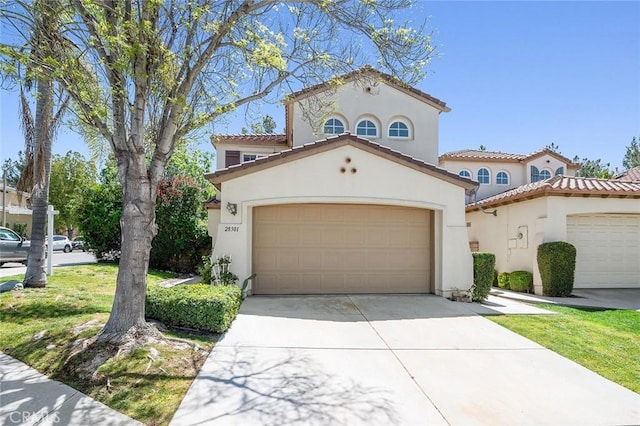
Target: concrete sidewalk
27, 397
391, 360
620, 298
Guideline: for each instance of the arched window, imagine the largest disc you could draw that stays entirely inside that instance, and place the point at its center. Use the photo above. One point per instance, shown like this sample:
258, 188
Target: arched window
545, 174
465, 173
333, 126
502, 178
559, 171
535, 174
483, 176
398, 129
366, 128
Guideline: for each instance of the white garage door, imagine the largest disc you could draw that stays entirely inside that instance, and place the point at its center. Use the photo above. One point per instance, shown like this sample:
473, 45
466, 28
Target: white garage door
341, 248
608, 250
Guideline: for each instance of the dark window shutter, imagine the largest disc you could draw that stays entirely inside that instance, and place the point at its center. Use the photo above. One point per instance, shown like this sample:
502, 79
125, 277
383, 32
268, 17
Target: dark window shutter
231, 158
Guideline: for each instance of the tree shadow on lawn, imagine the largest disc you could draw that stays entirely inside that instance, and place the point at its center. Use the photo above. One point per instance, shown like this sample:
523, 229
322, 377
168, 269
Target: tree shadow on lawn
42, 310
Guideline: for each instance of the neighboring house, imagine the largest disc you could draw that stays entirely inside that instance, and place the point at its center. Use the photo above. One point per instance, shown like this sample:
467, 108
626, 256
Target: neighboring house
348, 200
498, 172
600, 217
16, 206
631, 175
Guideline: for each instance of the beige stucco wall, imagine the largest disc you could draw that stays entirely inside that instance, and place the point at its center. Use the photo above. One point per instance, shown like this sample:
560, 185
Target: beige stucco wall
545, 219
317, 179
383, 105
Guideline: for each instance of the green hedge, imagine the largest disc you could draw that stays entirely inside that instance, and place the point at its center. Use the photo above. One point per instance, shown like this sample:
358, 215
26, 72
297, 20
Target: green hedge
521, 281
483, 269
557, 265
200, 306
503, 280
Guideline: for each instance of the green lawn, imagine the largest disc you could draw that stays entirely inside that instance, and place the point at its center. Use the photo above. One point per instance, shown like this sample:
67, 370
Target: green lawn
604, 341
39, 327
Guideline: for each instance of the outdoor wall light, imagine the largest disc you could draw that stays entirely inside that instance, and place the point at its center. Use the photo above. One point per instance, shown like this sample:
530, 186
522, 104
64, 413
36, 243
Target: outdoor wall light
232, 208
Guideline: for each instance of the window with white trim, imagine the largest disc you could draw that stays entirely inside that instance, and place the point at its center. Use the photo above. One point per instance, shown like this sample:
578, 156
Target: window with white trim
484, 177
251, 157
398, 129
502, 178
545, 174
333, 126
367, 128
465, 173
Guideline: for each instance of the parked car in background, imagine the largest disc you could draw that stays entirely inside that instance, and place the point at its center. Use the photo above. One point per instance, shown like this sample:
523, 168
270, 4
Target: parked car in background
13, 248
60, 242
78, 243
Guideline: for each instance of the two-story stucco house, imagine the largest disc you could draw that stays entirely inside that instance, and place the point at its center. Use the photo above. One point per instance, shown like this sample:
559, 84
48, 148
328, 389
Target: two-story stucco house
525, 200
348, 200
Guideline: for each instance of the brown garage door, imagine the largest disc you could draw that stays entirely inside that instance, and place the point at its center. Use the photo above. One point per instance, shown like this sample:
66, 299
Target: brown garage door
341, 248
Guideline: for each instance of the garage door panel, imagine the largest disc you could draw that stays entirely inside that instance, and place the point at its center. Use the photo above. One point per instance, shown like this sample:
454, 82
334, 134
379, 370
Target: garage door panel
334, 248
608, 250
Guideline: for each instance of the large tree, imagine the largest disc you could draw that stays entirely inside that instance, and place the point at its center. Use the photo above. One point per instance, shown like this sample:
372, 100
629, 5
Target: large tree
147, 74
593, 168
30, 66
632, 156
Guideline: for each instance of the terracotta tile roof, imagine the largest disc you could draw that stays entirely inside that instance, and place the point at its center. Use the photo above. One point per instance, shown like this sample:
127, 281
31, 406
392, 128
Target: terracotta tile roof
369, 70
562, 185
631, 175
332, 142
250, 139
497, 156
212, 203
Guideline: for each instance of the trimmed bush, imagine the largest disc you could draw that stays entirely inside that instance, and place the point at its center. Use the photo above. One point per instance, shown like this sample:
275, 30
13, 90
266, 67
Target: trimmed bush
483, 269
199, 306
557, 265
503, 280
521, 281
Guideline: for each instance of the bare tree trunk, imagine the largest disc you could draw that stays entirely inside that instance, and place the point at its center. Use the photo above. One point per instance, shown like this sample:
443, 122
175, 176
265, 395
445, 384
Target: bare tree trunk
43, 138
138, 228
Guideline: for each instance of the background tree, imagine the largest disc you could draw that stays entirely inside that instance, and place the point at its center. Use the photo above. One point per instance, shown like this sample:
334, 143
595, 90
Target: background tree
70, 176
593, 168
553, 147
267, 125
632, 156
147, 74
14, 168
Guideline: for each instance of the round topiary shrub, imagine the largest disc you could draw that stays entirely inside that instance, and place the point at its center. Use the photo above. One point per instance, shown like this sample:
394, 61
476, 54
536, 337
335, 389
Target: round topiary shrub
483, 269
503, 280
521, 281
557, 265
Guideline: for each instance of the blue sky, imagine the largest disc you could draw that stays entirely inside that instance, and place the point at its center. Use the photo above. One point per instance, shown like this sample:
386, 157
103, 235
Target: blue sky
517, 76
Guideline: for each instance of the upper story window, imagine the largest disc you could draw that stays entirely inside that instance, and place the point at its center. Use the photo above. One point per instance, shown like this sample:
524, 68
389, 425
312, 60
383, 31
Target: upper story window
545, 174
502, 178
251, 157
484, 177
465, 173
333, 126
366, 128
535, 174
398, 129
559, 171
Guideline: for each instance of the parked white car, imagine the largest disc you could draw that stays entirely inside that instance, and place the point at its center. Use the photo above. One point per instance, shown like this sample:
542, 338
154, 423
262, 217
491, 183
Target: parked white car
60, 242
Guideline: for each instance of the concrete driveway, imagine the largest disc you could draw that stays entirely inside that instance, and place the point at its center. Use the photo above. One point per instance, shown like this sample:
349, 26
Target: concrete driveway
391, 360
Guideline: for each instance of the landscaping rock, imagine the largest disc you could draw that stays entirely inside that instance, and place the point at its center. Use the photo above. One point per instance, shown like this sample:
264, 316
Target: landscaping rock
10, 285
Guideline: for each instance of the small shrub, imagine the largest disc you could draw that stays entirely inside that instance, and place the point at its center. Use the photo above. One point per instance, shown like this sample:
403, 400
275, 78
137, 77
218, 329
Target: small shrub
483, 270
521, 281
495, 278
199, 306
557, 265
205, 269
503, 280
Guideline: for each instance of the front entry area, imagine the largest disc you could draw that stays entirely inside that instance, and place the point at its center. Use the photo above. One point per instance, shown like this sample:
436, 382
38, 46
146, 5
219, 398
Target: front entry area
342, 248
